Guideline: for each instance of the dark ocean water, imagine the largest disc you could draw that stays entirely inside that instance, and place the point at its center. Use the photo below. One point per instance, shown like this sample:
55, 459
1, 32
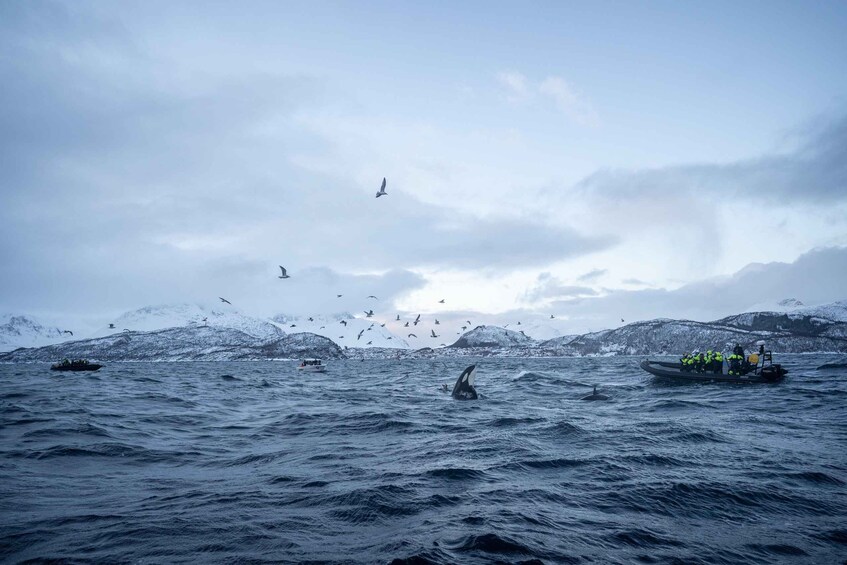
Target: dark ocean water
368, 463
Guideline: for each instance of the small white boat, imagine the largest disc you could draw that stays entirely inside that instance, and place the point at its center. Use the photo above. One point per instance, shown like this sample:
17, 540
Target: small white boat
312, 366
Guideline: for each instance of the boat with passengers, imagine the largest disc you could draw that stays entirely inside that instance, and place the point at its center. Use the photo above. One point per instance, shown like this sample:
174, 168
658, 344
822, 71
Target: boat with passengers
312, 366
757, 368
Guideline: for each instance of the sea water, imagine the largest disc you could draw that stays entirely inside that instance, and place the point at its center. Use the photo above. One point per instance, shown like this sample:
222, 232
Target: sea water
370, 463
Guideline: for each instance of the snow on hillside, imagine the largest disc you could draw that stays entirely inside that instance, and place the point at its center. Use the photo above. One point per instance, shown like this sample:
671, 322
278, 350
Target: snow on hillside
26, 331
152, 318
543, 329
492, 336
330, 326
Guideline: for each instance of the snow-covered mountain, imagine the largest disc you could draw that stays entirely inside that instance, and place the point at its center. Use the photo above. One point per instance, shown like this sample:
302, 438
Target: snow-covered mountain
152, 318
189, 343
492, 336
346, 334
26, 331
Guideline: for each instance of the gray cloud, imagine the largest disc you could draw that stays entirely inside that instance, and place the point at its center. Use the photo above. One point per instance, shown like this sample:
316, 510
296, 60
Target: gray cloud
128, 179
814, 173
634, 282
592, 275
815, 277
549, 287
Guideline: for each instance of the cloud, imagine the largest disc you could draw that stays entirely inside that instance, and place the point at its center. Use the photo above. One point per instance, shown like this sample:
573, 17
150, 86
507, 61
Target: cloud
516, 84
555, 89
548, 287
133, 183
816, 277
815, 173
569, 102
592, 275
635, 282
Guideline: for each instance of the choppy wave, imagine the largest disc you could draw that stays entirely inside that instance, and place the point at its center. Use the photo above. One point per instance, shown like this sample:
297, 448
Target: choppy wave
370, 463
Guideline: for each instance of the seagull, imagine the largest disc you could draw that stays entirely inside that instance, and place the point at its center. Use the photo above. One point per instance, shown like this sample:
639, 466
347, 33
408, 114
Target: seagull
67, 332
523, 334
418, 319
382, 189
552, 316
372, 296
205, 320
322, 327
621, 319
398, 318
464, 328
293, 326
382, 325
284, 275
519, 323
389, 337
339, 295
358, 337
437, 323
369, 313
225, 300
311, 319
412, 335
406, 325
441, 301
111, 326
341, 337
433, 333
343, 322
469, 322
126, 330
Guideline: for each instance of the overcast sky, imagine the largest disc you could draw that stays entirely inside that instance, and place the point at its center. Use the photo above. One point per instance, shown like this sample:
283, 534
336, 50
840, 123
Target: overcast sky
594, 160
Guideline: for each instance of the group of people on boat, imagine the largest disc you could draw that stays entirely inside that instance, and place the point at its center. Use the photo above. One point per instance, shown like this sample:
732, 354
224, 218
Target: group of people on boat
712, 361
75, 362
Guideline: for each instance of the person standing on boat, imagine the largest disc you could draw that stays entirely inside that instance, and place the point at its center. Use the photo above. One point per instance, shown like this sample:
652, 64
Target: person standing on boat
735, 360
717, 363
686, 361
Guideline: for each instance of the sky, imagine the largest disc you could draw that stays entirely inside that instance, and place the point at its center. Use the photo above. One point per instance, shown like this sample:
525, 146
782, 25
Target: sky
595, 161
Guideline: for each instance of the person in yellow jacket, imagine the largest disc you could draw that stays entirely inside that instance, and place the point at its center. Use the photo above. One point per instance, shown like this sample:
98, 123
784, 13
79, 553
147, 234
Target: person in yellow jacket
717, 363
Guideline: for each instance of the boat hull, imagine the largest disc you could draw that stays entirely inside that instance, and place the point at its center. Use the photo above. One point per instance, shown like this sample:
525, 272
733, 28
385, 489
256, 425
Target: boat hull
89, 367
312, 369
673, 371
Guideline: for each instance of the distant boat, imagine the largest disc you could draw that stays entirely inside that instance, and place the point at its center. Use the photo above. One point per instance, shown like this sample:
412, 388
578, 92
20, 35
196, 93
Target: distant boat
312, 366
75, 365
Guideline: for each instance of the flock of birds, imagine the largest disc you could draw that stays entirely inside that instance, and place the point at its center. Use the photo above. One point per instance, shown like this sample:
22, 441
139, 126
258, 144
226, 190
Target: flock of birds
369, 313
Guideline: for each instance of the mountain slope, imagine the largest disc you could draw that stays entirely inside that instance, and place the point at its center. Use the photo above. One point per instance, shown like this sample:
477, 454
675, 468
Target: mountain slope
197, 343
25, 331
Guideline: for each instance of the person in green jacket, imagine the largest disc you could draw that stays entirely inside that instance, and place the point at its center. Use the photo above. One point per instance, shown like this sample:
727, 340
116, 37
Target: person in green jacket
717, 363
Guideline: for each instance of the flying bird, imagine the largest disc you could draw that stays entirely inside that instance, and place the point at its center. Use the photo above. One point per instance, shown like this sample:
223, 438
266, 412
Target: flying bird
382, 325
412, 335
469, 322
67, 332
111, 326
389, 337
406, 325
284, 274
126, 330
339, 295
311, 319
358, 337
382, 189
437, 323
418, 319
322, 327
369, 313
441, 301
621, 319
343, 322
372, 296
293, 326
225, 300
433, 333
398, 318
552, 316
368, 343
464, 328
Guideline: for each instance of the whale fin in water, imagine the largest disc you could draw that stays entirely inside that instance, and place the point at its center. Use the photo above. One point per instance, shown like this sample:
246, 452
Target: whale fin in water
464, 389
595, 395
